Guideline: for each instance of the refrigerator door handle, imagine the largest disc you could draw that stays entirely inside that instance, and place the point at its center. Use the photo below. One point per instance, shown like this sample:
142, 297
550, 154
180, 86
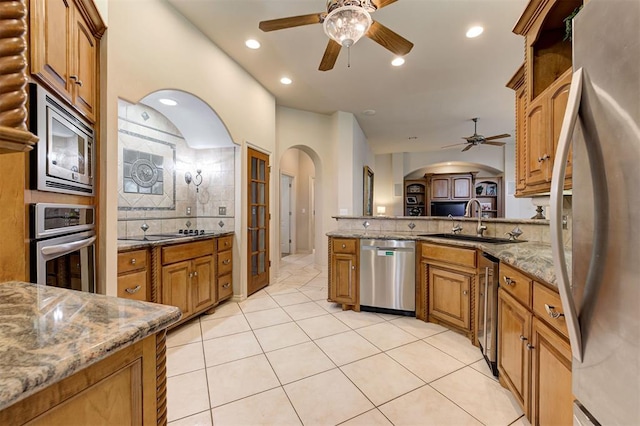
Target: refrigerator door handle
557, 187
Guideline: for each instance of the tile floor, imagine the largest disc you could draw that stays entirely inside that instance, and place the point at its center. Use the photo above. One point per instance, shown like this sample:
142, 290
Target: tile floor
285, 356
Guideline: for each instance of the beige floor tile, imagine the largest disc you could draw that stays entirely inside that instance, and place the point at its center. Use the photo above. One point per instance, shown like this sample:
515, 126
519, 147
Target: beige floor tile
370, 418
326, 399
417, 327
346, 347
261, 319
230, 348
281, 289
425, 361
425, 406
200, 419
358, 319
317, 282
322, 326
480, 396
224, 326
239, 379
304, 310
483, 367
185, 358
258, 303
386, 335
381, 378
280, 336
188, 332
455, 345
268, 408
329, 306
314, 294
522, 421
290, 298
187, 394
299, 361
225, 309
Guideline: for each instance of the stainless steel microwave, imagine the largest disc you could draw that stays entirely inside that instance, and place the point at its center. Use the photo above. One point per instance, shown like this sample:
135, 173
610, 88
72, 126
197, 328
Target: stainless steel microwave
64, 159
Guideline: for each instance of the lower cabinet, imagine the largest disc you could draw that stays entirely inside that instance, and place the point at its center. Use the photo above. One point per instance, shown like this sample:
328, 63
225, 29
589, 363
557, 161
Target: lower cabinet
133, 274
534, 355
344, 272
449, 296
224, 266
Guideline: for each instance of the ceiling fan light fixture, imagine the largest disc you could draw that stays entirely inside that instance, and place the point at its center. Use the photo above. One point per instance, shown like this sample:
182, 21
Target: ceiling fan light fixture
347, 24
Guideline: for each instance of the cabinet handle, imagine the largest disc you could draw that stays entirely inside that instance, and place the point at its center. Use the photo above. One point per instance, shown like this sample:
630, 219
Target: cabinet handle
530, 346
226, 243
190, 274
226, 261
195, 274
509, 281
133, 261
76, 80
344, 246
226, 285
552, 312
523, 338
353, 267
465, 292
544, 157
133, 290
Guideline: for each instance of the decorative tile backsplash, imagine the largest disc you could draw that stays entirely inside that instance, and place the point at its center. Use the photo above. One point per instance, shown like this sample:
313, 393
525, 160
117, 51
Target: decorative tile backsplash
153, 159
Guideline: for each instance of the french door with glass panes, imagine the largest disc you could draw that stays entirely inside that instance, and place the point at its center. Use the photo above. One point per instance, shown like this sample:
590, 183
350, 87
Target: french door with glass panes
258, 247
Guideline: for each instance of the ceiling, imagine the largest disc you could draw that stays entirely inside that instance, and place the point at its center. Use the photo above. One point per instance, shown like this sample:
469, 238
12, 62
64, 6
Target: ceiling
423, 105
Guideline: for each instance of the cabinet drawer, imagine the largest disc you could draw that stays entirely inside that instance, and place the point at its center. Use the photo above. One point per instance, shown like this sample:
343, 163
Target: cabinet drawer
225, 243
545, 298
449, 255
344, 245
132, 261
186, 251
225, 262
133, 286
516, 284
225, 287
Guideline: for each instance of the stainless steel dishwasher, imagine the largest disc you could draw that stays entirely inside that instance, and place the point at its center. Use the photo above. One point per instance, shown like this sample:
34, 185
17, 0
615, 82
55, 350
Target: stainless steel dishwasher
388, 276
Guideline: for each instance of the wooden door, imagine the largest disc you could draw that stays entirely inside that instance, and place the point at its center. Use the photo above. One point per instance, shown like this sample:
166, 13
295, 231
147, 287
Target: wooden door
440, 188
557, 106
84, 72
551, 395
461, 188
449, 296
514, 325
344, 278
203, 283
521, 142
258, 247
537, 136
175, 286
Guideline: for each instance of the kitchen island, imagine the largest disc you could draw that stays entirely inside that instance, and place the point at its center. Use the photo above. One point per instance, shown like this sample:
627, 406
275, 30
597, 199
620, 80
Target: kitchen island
73, 355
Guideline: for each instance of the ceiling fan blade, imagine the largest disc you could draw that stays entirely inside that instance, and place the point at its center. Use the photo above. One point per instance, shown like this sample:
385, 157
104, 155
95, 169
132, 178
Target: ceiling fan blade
495, 143
389, 39
379, 4
330, 56
451, 146
467, 148
292, 21
504, 135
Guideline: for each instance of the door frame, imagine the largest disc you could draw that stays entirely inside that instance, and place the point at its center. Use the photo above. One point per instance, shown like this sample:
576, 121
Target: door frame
256, 283
292, 209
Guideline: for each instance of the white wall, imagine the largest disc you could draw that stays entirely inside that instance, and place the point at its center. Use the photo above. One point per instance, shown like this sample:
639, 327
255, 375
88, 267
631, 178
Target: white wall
148, 46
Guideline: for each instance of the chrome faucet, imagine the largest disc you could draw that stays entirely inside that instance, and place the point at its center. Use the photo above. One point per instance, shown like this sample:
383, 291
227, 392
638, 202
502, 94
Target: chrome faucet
467, 213
456, 229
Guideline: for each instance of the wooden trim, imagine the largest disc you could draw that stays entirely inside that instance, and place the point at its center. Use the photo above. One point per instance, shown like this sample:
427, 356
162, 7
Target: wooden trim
529, 16
155, 275
161, 377
90, 13
517, 80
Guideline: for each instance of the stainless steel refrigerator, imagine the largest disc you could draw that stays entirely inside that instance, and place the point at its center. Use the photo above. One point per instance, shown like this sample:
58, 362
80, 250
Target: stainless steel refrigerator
601, 295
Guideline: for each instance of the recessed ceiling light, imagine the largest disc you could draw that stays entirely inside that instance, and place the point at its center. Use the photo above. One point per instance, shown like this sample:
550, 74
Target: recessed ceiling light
285, 80
397, 62
167, 101
252, 44
474, 32
369, 112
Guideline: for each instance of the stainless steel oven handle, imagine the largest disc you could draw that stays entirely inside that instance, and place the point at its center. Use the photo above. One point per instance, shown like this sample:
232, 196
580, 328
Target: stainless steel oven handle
53, 251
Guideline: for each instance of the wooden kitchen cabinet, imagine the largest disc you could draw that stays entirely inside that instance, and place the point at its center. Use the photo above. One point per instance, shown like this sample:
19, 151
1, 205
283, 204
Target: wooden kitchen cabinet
224, 267
449, 298
133, 274
344, 272
64, 53
450, 187
518, 85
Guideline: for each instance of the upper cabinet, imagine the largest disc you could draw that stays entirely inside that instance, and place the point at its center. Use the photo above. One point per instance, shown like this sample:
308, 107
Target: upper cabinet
542, 89
64, 50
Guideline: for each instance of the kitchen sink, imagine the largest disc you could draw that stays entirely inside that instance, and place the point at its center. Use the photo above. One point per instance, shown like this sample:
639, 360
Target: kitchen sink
462, 237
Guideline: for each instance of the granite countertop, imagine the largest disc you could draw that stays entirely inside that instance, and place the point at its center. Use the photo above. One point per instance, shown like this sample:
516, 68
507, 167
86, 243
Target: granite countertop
49, 333
534, 258
138, 243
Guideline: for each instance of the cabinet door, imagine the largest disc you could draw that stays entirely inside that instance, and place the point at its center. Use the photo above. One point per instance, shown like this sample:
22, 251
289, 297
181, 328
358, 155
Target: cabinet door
514, 325
344, 278
50, 42
461, 188
557, 106
203, 283
133, 285
449, 296
537, 136
83, 77
440, 188
521, 140
175, 286
551, 396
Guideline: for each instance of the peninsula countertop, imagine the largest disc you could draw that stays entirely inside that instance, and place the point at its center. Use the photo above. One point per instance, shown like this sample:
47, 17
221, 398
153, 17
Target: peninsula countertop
534, 258
49, 333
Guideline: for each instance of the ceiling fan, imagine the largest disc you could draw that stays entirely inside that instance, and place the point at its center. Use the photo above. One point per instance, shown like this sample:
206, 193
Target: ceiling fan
345, 22
477, 139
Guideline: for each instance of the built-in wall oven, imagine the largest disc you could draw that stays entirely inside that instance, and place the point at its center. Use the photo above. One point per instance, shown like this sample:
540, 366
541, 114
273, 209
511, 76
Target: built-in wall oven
63, 160
63, 246
487, 327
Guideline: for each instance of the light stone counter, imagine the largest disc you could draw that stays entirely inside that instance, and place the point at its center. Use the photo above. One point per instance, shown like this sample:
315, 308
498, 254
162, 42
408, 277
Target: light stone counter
132, 244
49, 333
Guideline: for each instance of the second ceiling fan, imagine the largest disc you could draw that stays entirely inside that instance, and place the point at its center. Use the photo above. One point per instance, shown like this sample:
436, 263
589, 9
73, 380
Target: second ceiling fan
345, 22
477, 139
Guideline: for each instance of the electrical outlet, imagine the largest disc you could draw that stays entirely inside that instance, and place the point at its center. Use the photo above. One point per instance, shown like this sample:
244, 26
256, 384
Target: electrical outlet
222, 211
188, 211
